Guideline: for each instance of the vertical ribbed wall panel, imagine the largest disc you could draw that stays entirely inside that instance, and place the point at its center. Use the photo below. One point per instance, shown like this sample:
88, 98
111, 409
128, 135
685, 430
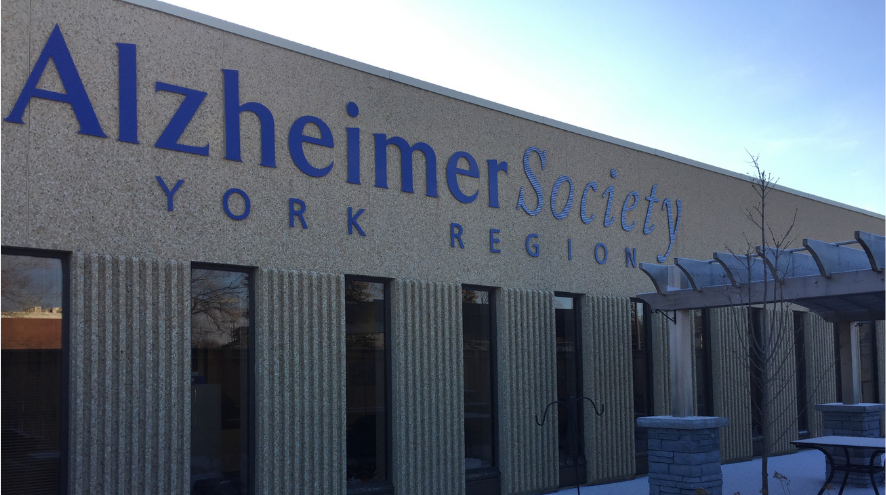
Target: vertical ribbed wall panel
428, 388
608, 379
300, 382
661, 365
130, 375
527, 382
731, 381
821, 374
783, 384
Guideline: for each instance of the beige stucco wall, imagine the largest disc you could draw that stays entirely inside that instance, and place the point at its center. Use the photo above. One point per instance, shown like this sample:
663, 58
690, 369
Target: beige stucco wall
63, 190
66, 191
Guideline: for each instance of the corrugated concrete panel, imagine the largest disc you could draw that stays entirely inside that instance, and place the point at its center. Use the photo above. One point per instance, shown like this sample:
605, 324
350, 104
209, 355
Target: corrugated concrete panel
428, 388
783, 384
300, 382
731, 381
661, 362
608, 379
821, 375
130, 375
527, 364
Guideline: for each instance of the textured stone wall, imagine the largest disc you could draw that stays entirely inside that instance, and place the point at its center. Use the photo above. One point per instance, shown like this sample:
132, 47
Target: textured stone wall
731, 380
428, 388
299, 382
130, 340
527, 367
608, 379
684, 455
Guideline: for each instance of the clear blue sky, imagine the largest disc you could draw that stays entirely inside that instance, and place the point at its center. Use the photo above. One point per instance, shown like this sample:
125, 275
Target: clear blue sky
801, 83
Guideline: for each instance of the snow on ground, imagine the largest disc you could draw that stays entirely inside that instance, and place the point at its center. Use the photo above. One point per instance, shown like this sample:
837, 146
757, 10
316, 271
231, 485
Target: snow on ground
804, 470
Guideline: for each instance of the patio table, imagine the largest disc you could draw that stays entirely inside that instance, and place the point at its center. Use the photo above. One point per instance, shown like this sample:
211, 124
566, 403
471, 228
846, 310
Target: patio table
875, 445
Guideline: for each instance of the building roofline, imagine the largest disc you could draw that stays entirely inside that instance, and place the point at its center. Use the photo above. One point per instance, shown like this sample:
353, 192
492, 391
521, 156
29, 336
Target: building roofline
434, 88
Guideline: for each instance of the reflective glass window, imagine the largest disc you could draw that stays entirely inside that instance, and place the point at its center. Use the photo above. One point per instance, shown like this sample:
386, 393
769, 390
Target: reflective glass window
220, 381
641, 361
569, 417
478, 352
32, 361
366, 322
703, 395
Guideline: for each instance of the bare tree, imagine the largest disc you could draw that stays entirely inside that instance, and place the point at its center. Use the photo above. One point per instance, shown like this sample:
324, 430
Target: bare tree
771, 332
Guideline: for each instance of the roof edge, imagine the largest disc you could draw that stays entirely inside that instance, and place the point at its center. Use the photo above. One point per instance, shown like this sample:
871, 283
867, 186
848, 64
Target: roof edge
434, 88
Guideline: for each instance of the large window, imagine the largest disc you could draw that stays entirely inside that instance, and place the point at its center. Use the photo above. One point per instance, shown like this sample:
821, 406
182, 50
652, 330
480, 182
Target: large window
704, 397
221, 381
33, 363
368, 379
478, 329
641, 358
569, 417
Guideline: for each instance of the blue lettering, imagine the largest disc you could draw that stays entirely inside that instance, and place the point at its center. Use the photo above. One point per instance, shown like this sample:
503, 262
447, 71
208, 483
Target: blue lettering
246, 207
233, 110
452, 173
584, 203
300, 213
630, 257
352, 221
74, 95
455, 231
625, 209
494, 168
127, 80
556, 189
673, 224
353, 155
533, 181
297, 139
648, 227
353, 146
169, 193
597, 253
494, 240
406, 151
180, 120
532, 249
608, 218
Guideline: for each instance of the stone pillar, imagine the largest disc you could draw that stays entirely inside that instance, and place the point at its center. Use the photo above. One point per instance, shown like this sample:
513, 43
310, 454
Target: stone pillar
852, 420
684, 454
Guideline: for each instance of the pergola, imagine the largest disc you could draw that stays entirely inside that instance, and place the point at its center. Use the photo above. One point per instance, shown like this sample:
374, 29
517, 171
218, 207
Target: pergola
842, 284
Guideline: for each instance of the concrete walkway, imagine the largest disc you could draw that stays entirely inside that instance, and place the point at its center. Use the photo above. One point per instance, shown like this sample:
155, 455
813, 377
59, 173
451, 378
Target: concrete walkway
804, 471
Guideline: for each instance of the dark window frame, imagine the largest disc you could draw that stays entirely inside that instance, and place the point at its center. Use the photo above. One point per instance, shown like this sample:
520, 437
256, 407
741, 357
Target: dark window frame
641, 463
250, 271
708, 375
65, 386
577, 477
385, 487
483, 478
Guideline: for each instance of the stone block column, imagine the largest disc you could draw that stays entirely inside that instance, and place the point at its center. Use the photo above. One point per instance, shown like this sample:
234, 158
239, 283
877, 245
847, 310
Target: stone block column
684, 454
852, 420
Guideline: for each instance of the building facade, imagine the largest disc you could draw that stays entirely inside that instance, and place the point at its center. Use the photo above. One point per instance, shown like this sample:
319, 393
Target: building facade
236, 264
